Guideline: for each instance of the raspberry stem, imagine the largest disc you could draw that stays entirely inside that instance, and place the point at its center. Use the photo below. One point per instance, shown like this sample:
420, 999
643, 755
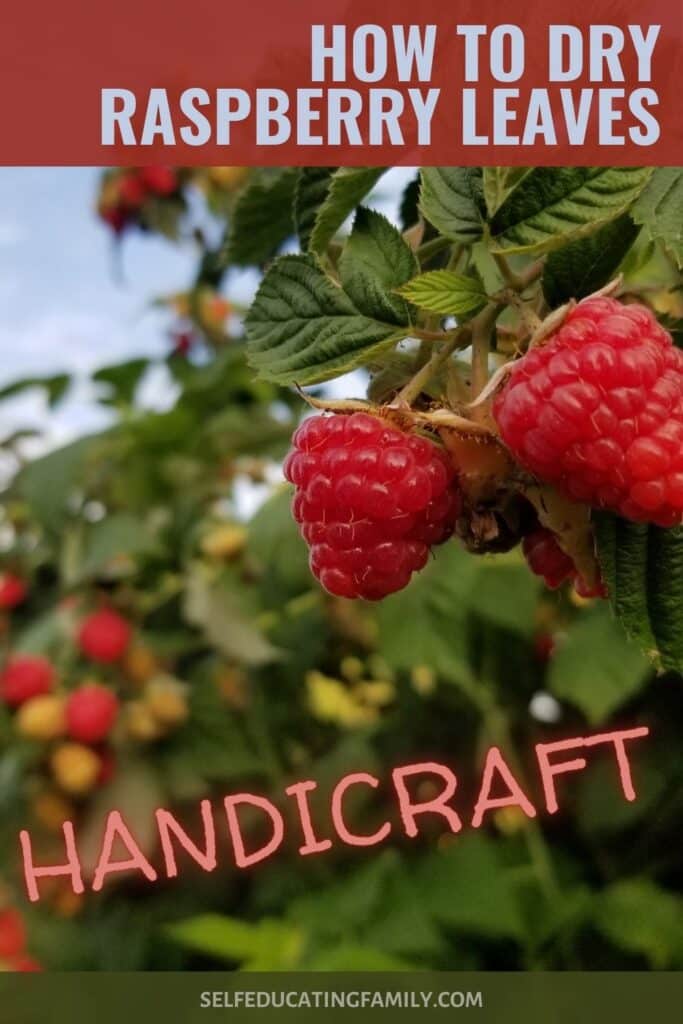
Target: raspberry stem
457, 339
483, 324
518, 282
432, 248
496, 727
482, 327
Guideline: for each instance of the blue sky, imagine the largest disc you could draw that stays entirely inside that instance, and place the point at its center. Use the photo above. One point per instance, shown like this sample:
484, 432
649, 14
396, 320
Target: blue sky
61, 305
64, 309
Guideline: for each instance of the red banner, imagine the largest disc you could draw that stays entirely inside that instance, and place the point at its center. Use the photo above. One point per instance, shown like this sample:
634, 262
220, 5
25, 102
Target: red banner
343, 83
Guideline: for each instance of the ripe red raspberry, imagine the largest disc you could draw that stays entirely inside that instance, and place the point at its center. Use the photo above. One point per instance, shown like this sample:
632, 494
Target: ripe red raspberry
25, 677
90, 713
107, 766
117, 217
104, 636
132, 190
12, 934
546, 559
160, 181
13, 590
370, 502
598, 411
183, 343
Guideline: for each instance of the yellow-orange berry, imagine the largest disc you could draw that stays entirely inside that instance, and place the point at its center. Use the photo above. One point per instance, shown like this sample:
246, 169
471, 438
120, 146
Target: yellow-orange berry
75, 768
166, 698
226, 541
141, 724
42, 718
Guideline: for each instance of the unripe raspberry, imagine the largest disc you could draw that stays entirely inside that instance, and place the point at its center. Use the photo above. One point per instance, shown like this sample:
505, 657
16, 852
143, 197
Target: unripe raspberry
546, 559
13, 590
166, 699
140, 664
423, 680
226, 541
65, 902
228, 178
42, 718
75, 768
141, 724
104, 636
12, 934
51, 810
370, 502
233, 686
214, 310
160, 181
597, 410
23, 677
90, 713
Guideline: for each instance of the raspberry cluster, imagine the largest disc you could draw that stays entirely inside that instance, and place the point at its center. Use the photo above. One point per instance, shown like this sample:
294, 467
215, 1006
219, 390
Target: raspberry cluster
597, 410
370, 502
546, 559
124, 197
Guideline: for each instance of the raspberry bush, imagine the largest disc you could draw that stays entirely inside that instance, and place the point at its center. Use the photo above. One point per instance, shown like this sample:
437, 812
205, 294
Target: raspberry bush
471, 538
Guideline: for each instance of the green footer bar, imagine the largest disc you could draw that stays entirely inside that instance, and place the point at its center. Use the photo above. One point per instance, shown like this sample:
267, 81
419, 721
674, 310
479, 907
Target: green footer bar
542, 998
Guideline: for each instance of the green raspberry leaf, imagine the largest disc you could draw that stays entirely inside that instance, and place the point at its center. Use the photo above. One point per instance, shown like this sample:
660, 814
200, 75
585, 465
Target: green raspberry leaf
583, 266
640, 917
499, 183
427, 623
375, 261
347, 186
615, 671
302, 328
262, 219
556, 205
445, 292
313, 184
481, 899
660, 210
643, 568
452, 199
55, 387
